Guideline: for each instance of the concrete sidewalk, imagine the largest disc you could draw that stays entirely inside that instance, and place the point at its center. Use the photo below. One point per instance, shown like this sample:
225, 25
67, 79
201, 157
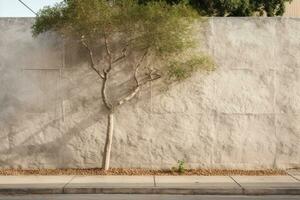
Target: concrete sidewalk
206, 185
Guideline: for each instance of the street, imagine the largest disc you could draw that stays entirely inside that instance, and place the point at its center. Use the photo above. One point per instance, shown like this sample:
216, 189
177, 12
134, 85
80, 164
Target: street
142, 197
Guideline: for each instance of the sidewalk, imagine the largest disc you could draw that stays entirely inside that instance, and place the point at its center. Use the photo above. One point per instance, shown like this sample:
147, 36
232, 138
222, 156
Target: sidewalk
206, 185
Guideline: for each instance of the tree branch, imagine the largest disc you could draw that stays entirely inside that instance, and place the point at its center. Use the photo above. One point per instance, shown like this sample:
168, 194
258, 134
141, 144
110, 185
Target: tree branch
136, 90
138, 66
91, 58
108, 52
130, 96
106, 74
124, 51
103, 93
103, 76
152, 76
138, 84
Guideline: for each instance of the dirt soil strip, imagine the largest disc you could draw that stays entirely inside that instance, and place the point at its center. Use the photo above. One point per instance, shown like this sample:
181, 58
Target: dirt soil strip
142, 172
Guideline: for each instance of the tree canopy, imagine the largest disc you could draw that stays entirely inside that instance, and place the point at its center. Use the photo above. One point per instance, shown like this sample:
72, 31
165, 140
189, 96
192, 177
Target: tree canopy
152, 25
235, 7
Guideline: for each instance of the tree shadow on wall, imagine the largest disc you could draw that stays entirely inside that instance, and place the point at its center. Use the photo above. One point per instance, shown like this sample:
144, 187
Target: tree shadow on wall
50, 151
71, 142
53, 142
49, 143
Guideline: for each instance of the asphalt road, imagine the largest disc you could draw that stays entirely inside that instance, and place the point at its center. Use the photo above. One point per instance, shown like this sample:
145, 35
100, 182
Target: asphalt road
142, 197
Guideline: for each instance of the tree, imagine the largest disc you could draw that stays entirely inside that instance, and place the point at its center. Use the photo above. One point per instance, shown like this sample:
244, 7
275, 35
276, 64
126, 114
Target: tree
126, 30
235, 7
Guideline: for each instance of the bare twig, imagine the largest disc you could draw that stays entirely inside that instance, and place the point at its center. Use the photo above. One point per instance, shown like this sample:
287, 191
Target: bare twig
124, 53
108, 52
91, 58
130, 96
124, 50
152, 76
138, 84
136, 90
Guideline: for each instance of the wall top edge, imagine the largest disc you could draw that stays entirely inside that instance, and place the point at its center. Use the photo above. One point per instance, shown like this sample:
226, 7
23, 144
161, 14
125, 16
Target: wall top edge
17, 17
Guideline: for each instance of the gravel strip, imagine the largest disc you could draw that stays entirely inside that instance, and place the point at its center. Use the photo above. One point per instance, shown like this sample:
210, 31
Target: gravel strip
141, 172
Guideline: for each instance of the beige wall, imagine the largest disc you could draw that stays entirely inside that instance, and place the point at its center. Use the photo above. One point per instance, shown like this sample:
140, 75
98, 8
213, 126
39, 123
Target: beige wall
243, 115
293, 9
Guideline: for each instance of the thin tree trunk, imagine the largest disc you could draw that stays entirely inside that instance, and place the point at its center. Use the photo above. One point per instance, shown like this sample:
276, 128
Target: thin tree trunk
108, 142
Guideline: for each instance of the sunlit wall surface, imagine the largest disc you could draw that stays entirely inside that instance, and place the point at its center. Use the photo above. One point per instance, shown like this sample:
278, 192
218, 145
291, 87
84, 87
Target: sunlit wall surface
293, 9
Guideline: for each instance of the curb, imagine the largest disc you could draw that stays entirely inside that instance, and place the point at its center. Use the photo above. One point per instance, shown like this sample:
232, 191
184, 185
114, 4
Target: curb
13, 191
153, 190
179, 191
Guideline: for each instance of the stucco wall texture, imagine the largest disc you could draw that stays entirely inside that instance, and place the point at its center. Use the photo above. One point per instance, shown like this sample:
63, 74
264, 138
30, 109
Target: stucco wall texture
244, 115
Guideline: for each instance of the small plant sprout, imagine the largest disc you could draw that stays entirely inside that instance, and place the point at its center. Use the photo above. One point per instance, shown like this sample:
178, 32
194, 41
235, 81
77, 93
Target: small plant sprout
181, 167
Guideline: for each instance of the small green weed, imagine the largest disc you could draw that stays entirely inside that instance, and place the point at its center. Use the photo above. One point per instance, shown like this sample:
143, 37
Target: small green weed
181, 167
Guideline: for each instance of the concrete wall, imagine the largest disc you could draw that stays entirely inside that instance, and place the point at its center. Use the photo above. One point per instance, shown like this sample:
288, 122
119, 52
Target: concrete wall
245, 115
292, 9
